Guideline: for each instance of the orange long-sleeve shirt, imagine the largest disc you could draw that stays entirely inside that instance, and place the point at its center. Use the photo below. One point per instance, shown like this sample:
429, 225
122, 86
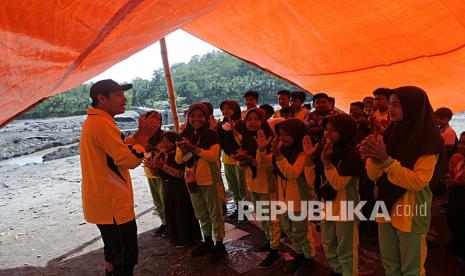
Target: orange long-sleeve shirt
105, 163
407, 214
207, 169
264, 182
299, 185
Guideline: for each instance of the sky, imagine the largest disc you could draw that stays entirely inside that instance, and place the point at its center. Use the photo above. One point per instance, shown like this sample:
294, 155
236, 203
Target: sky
181, 47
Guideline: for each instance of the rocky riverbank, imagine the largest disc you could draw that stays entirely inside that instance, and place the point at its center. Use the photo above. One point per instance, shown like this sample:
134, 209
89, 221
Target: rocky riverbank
23, 137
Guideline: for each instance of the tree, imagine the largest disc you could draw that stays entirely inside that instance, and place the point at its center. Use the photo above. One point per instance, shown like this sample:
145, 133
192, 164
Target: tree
213, 77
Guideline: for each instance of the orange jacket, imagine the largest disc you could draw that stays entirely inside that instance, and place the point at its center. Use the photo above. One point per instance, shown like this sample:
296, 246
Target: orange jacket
105, 163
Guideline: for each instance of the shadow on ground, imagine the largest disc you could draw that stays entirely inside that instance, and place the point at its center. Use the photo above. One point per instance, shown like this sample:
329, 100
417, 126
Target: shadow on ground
157, 257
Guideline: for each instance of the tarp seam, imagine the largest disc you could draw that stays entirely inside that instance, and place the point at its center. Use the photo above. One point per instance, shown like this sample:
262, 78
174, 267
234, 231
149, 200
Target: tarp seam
106, 30
383, 65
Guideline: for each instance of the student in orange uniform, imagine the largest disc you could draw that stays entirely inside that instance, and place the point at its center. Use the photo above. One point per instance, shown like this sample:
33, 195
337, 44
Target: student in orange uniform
261, 182
293, 188
250, 100
443, 117
229, 146
284, 97
314, 120
342, 167
178, 206
214, 126
368, 105
380, 117
154, 180
297, 101
200, 152
403, 163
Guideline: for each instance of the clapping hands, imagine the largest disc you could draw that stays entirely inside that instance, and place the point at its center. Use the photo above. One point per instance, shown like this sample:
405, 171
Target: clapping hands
309, 148
186, 145
327, 152
262, 141
373, 147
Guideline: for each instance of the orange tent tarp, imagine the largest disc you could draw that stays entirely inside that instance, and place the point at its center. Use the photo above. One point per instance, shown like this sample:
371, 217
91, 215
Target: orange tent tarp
345, 48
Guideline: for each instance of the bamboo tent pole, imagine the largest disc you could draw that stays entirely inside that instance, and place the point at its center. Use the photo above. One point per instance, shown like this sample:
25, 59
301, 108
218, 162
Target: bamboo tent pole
169, 83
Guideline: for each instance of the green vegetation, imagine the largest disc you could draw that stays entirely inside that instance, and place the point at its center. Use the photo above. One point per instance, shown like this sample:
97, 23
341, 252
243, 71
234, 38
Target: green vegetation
72, 102
214, 77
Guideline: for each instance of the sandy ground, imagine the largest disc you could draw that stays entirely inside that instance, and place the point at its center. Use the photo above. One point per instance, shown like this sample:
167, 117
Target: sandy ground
42, 231
41, 212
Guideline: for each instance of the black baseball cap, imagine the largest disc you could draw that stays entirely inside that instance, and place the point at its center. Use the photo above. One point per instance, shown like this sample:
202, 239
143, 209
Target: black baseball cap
105, 87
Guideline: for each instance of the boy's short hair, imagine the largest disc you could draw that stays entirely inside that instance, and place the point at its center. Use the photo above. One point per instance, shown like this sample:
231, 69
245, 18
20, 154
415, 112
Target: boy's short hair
320, 95
332, 100
299, 95
268, 109
251, 93
286, 110
285, 93
368, 99
444, 112
382, 91
359, 104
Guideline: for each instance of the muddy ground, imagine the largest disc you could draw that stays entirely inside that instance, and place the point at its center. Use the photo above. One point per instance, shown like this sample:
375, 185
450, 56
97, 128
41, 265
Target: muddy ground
23, 137
42, 231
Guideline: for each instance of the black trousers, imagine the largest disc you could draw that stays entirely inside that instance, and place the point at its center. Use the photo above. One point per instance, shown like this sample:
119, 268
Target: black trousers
120, 246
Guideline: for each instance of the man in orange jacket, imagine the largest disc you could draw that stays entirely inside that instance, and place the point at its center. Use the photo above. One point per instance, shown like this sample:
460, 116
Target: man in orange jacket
107, 197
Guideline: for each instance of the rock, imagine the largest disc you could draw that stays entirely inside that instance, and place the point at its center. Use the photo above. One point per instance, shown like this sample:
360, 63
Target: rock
61, 153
